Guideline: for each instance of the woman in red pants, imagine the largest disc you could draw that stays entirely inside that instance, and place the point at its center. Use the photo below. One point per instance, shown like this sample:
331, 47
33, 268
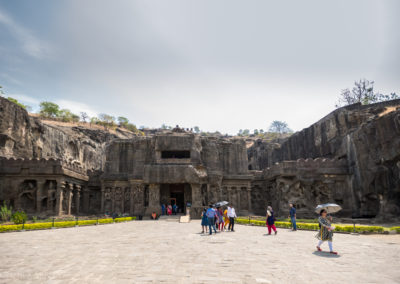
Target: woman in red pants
271, 220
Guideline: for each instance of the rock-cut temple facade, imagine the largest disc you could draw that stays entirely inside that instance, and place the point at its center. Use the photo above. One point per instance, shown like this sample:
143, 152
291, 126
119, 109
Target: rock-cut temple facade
350, 157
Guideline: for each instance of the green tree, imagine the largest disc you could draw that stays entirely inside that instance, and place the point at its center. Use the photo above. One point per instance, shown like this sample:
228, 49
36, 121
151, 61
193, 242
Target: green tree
94, 120
19, 217
122, 121
362, 92
75, 118
246, 132
279, 127
49, 109
196, 129
255, 132
132, 127
67, 116
108, 121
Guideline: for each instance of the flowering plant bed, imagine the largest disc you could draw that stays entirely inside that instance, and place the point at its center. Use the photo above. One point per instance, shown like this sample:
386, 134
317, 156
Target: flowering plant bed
62, 224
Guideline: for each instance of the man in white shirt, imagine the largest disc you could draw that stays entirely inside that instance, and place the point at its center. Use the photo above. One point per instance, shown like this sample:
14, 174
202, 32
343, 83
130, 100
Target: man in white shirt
232, 215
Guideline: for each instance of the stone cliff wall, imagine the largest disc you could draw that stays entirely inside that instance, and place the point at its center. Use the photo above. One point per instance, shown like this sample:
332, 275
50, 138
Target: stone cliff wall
367, 137
27, 137
325, 138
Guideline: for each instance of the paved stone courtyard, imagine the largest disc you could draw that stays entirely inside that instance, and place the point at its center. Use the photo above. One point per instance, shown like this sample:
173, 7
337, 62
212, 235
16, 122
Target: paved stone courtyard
170, 252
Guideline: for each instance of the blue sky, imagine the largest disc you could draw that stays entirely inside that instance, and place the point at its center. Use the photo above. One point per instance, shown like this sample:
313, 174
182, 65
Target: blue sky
221, 65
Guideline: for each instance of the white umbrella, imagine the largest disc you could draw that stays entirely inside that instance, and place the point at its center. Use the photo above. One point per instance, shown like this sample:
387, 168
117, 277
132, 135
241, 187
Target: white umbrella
329, 207
221, 203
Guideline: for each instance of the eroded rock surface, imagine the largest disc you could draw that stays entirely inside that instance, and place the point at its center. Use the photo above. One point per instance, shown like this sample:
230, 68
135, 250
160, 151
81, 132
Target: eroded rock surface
366, 137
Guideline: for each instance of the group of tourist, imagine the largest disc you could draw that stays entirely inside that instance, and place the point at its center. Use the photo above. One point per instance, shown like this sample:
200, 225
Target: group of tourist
169, 209
217, 219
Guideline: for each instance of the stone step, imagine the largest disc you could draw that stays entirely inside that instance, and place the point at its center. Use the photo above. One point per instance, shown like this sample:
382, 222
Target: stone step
172, 218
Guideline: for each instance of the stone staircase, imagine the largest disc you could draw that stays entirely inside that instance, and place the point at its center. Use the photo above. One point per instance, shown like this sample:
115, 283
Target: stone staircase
171, 218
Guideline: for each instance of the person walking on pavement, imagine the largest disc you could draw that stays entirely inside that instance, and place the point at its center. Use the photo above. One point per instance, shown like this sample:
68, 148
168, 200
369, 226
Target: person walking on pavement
204, 221
211, 215
292, 216
325, 232
226, 218
232, 216
271, 220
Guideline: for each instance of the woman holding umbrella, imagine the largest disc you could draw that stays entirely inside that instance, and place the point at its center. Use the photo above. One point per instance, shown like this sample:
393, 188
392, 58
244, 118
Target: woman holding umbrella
326, 231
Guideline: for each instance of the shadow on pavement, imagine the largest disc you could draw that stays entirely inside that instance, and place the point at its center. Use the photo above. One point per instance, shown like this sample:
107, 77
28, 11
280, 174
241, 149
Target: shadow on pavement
325, 254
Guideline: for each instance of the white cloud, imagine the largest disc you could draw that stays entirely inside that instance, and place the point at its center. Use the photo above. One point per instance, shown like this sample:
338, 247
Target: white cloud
76, 107
31, 45
24, 99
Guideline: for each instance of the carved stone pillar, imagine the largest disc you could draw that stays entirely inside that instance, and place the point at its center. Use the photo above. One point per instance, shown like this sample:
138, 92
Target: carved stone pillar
123, 200
59, 197
85, 201
113, 199
51, 194
39, 194
195, 211
249, 198
137, 197
131, 201
70, 188
238, 192
154, 199
232, 195
229, 195
77, 198
103, 190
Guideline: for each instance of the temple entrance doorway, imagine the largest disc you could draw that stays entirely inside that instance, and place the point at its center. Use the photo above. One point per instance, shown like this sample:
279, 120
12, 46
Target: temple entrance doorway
174, 193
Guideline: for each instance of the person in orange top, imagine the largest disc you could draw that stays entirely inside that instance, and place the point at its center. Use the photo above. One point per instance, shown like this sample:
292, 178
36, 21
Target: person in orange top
226, 218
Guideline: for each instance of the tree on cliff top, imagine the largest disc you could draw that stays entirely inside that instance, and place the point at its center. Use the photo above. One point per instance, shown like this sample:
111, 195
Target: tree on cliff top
363, 92
49, 109
108, 121
280, 127
123, 121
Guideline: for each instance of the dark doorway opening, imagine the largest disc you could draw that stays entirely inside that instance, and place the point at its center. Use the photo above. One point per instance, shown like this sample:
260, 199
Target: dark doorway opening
175, 154
177, 196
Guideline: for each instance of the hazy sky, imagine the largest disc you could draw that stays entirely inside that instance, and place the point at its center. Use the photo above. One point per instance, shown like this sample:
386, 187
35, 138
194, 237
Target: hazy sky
221, 65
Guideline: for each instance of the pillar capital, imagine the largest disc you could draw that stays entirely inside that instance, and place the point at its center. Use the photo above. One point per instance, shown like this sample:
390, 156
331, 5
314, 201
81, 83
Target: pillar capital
70, 186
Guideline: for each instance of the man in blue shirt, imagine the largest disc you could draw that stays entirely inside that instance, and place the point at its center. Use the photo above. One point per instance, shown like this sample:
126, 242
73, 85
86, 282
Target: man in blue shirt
292, 215
211, 215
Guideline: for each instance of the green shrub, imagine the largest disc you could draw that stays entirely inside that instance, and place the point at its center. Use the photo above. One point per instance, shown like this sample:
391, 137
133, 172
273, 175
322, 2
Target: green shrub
9, 228
397, 229
37, 226
124, 219
34, 219
315, 226
64, 224
5, 212
106, 221
87, 222
61, 224
19, 217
